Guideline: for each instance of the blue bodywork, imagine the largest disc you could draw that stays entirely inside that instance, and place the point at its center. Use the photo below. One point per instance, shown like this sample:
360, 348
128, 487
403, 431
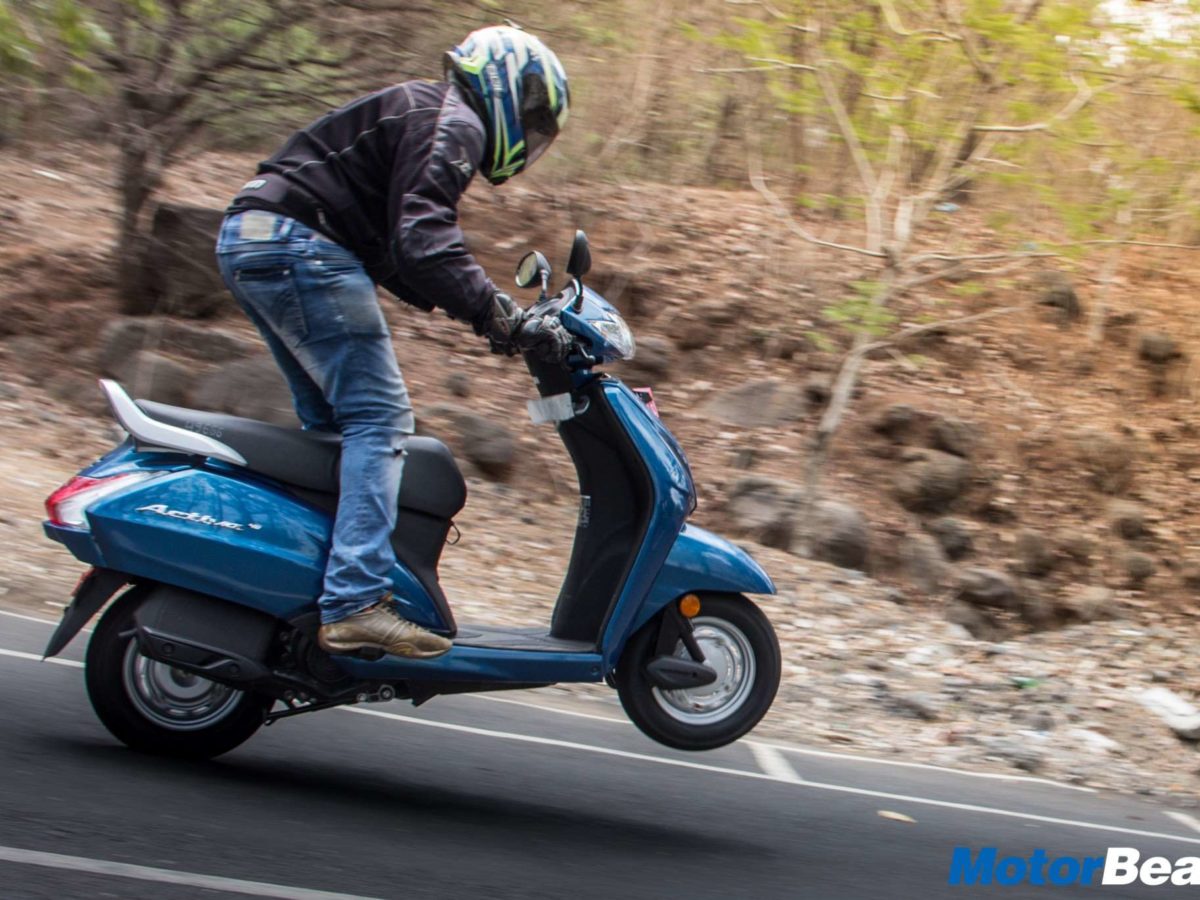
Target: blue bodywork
266, 549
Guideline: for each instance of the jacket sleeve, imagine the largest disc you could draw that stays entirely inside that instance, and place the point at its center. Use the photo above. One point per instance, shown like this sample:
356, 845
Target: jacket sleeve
435, 267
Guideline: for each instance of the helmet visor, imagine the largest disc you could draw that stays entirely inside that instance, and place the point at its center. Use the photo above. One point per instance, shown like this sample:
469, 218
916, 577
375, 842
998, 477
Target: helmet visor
537, 119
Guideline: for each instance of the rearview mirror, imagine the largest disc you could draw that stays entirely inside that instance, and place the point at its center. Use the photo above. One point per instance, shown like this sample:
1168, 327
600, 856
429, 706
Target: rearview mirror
580, 261
533, 269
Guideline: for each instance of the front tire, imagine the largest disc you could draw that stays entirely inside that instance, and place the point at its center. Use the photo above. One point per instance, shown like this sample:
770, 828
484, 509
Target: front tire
156, 708
737, 640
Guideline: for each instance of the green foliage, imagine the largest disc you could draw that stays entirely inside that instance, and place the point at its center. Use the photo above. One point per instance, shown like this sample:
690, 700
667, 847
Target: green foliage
861, 312
820, 341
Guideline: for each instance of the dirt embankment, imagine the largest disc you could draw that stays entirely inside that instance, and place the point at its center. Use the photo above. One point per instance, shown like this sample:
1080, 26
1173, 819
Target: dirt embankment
1019, 496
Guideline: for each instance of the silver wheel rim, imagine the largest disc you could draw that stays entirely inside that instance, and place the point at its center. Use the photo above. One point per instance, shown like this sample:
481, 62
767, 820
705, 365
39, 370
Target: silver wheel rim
727, 650
173, 698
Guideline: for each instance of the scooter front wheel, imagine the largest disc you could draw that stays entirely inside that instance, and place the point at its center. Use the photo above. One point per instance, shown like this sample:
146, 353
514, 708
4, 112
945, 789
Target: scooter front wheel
739, 644
157, 708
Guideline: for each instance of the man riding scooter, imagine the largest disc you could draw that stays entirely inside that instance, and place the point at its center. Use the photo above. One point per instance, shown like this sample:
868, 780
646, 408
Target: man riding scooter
367, 196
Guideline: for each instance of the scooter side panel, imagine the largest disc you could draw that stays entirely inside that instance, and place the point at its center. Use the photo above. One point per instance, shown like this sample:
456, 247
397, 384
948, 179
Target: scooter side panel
673, 491
702, 561
238, 539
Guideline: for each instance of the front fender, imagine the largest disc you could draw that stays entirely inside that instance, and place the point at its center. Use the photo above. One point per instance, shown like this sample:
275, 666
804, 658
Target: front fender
701, 561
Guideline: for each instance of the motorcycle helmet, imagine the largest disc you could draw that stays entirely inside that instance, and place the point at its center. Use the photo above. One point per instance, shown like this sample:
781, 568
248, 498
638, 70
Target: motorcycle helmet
518, 87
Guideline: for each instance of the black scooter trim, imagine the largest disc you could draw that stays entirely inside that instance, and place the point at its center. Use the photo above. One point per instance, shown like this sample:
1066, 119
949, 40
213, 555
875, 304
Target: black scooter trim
94, 590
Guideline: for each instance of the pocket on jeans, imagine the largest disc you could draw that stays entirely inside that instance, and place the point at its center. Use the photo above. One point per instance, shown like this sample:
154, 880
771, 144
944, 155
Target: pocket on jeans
345, 302
270, 291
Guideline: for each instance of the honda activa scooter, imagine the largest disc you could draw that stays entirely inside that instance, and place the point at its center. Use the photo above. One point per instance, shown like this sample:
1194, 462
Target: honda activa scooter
217, 529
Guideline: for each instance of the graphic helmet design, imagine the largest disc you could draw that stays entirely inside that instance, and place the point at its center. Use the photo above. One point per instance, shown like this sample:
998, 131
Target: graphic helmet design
519, 88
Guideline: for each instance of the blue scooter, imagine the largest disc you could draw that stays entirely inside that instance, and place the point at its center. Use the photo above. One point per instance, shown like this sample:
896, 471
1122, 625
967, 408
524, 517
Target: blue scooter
217, 528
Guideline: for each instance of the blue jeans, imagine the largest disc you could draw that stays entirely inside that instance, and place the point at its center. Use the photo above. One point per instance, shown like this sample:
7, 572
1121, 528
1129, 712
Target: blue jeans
319, 314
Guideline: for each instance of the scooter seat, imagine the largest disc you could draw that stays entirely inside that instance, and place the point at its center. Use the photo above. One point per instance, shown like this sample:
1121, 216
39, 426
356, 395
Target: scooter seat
432, 482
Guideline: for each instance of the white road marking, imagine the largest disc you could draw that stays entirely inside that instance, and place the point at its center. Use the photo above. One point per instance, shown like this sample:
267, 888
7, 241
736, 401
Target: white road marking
742, 773
995, 776
17, 654
789, 748
166, 876
774, 774
13, 615
774, 763
1184, 819
804, 751
543, 708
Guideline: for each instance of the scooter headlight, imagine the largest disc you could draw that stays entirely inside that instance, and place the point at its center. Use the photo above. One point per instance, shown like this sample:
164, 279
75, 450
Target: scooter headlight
617, 335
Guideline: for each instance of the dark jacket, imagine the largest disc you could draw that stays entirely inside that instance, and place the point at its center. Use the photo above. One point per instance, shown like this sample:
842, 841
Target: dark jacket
382, 176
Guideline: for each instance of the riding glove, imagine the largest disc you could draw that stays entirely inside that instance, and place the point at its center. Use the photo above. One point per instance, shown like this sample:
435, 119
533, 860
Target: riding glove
501, 324
545, 338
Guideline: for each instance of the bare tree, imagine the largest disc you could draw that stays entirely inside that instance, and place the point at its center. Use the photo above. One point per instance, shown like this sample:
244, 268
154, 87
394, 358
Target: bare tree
177, 67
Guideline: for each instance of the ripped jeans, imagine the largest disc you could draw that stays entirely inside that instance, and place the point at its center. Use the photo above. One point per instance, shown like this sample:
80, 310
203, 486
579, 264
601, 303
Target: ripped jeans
317, 309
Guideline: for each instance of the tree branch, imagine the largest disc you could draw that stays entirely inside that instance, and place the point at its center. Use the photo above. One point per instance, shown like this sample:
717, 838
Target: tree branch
758, 182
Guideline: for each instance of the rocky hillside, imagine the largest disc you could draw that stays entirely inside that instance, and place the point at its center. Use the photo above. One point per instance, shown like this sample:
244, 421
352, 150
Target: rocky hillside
1007, 549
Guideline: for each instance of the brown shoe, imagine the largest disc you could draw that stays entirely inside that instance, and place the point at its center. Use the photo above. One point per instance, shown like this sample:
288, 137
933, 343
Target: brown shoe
381, 626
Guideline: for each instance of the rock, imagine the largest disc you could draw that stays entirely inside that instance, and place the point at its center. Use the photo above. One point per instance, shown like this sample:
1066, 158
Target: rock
917, 704
182, 269
1090, 603
1189, 574
253, 388
1138, 567
896, 422
1041, 720
953, 536
119, 341
81, 392
758, 404
929, 480
1094, 741
487, 444
1108, 459
1127, 518
1177, 713
1020, 754
1157, 348
650, 365
763, 509
987, 588
459, 384
1056, 289
923, 561
1074, 544
701, 325
125, 336
207, 343
817, 390
1036, 610
839, 535
953, 436
1034, 554
979, 624
152, 376
692, 333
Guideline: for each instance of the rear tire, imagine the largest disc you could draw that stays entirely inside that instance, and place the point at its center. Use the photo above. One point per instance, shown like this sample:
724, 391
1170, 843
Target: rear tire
155, 708
738, 641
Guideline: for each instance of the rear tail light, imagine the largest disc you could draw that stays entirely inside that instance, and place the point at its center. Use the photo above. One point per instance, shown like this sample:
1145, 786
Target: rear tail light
69, 504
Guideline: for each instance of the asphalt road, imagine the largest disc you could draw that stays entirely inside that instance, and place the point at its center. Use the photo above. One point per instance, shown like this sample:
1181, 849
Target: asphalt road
503, 797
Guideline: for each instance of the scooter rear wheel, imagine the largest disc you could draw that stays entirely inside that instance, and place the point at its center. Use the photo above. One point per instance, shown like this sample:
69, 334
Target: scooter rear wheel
156, 708
739, 643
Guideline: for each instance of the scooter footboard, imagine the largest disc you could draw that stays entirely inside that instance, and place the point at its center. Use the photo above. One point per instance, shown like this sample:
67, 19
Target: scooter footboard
211, 637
